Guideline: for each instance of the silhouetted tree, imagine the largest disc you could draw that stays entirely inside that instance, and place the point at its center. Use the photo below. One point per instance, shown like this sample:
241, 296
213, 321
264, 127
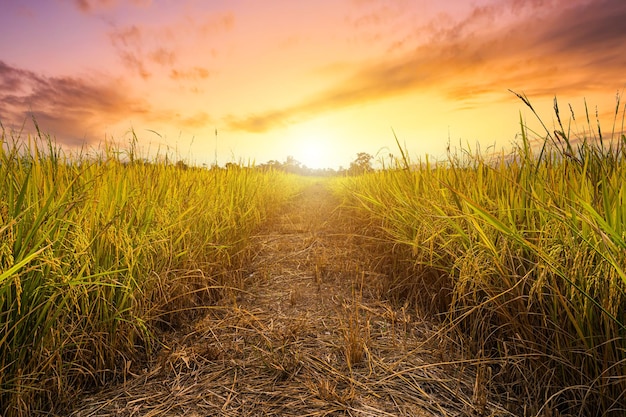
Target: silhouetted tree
361, 165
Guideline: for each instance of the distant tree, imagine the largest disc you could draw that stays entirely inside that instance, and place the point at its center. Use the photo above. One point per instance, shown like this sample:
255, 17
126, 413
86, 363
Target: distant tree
292, 165
362, 164
273, 163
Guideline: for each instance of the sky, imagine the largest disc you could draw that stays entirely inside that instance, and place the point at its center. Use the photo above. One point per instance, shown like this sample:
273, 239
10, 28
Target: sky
319, 80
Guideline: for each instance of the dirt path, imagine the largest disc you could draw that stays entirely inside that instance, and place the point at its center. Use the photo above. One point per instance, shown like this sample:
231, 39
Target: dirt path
310, 337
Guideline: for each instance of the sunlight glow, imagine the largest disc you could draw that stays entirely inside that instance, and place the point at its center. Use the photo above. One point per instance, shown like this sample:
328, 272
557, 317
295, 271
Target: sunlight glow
312, 155
313, 147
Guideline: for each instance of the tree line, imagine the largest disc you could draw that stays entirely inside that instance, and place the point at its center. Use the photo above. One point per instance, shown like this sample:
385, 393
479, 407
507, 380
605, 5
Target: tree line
360, 165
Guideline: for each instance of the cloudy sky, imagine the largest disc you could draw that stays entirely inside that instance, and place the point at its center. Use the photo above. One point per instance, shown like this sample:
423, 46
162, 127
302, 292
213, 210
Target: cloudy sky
316, 79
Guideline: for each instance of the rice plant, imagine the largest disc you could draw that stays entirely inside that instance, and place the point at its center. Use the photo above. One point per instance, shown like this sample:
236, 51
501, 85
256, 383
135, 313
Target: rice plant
524, 253
98, 253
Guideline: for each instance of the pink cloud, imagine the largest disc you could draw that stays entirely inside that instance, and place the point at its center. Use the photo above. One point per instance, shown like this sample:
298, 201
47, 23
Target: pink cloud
141, 46
88, 6
75, 110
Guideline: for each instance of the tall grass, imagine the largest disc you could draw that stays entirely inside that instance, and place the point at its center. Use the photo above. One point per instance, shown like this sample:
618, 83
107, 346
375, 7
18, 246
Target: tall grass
525, 254
97, 254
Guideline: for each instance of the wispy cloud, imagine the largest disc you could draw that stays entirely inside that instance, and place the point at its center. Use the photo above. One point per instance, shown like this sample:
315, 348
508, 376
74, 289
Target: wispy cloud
145, 49
87, 6
197, 120
90, 6
195, 73
129, 44
556, 46
370, 21
212, 24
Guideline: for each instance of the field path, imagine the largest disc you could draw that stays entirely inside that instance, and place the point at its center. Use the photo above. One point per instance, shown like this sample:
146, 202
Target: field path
309, 337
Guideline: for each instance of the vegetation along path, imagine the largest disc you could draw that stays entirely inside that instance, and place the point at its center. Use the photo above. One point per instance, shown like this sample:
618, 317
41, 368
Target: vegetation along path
312, 335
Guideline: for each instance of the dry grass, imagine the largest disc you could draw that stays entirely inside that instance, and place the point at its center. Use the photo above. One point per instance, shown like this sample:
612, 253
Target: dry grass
309, 337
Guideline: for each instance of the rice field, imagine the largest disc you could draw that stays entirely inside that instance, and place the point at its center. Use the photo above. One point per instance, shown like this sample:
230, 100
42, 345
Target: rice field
100, 253
523, 254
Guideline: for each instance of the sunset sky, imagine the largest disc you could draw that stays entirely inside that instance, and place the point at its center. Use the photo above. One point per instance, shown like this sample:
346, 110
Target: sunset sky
316, 79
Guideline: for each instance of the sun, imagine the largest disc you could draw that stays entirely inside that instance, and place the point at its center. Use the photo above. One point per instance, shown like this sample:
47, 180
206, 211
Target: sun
312, 154
313, 147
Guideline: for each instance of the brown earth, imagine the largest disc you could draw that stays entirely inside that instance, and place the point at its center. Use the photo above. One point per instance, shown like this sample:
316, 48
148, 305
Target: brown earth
312, 335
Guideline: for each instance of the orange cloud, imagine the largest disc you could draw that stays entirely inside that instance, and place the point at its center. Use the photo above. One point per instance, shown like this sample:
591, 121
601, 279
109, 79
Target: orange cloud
195, 73
263, 122
198, 120
556, 47
163, 56
216, 24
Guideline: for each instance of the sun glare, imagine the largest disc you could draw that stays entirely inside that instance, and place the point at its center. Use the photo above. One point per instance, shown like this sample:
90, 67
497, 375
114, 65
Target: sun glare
313, 149
312, 155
